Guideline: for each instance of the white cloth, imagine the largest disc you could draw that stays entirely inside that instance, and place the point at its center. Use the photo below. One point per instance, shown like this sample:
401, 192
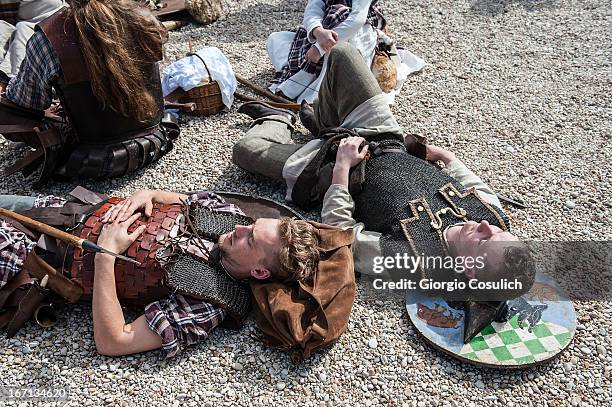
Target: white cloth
372, 117
354, 30
189, 72
408, 63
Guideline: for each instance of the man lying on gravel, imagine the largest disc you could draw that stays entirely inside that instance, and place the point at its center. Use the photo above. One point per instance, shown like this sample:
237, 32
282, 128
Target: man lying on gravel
406, 204
195, 252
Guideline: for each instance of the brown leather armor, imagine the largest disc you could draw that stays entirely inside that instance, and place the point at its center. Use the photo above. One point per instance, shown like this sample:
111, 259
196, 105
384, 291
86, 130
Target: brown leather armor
83, 139
135, 284
90, 121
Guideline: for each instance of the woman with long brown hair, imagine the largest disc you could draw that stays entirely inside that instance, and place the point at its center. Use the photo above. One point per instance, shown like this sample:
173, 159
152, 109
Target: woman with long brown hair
119, 41
101, 59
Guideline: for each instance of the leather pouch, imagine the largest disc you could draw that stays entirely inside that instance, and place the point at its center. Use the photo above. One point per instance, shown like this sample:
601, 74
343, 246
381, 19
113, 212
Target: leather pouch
26, 308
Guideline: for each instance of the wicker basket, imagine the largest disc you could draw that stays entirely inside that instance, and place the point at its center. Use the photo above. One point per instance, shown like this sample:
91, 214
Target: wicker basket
207, 98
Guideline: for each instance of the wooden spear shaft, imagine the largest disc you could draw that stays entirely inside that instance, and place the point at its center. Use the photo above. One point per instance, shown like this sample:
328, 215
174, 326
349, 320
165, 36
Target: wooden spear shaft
261, 90
61, 235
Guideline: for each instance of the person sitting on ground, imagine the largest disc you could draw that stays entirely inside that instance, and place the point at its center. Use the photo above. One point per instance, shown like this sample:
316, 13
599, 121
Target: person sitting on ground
192, 271
16, 28
298, 57
100, 57
406, 204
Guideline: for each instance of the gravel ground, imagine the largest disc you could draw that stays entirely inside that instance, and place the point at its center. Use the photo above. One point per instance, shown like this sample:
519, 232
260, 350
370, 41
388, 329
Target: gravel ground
519, 89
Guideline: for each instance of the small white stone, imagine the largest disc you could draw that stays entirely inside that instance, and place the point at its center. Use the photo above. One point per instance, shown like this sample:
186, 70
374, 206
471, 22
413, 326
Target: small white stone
490, 398
373, 343
280, 386
601, 350
570, 204
479, 384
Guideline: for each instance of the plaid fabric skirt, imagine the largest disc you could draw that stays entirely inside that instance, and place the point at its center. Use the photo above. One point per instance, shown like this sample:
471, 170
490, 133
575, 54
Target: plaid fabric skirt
336, 12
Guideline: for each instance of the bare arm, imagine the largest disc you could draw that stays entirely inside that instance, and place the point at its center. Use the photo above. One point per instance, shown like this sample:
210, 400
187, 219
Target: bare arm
112, 335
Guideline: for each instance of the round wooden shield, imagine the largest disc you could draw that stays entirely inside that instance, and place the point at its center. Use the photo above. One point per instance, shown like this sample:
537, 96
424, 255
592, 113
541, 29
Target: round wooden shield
543, 325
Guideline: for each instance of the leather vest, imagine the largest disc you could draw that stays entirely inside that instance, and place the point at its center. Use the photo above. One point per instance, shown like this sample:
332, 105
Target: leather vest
92, 123
162, 269
411, 203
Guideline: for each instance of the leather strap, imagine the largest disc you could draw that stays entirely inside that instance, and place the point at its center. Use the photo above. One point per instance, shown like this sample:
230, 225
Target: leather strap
14, 300
66, 288
133, 161
120, 156
49, 138
26, 308
15, 128
21, 279
86, 196
32, 158
6, 317
22, 111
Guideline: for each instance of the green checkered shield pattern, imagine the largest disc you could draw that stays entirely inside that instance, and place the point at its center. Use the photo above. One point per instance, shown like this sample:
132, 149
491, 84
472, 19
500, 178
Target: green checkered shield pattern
507, 344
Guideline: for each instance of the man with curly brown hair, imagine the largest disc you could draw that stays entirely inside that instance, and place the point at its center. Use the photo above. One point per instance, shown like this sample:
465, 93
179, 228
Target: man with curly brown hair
196, 253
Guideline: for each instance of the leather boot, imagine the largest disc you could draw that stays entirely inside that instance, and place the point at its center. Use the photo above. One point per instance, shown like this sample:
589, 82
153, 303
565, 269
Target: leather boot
307, 118
257, 110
